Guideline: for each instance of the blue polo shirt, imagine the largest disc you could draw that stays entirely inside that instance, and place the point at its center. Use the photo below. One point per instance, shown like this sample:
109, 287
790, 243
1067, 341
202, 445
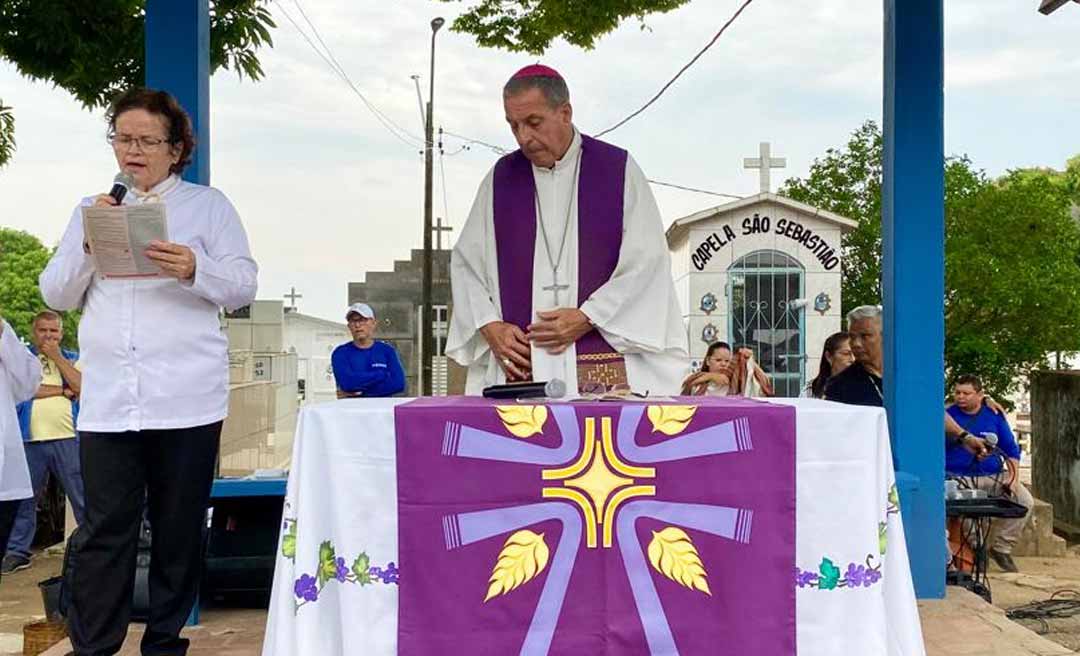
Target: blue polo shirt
372, 371
962, 462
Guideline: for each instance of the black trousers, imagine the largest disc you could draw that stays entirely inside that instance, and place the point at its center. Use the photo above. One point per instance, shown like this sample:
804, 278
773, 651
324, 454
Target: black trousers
170, 472
8, 510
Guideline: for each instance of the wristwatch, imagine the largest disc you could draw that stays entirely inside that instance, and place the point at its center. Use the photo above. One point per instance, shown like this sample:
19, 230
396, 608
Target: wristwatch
959, 439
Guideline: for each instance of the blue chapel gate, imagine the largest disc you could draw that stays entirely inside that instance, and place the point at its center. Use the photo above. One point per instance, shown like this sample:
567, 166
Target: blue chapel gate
762, 289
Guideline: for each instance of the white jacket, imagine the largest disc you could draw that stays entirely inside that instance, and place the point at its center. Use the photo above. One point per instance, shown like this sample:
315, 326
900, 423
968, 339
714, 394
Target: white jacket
20, 375
152, 351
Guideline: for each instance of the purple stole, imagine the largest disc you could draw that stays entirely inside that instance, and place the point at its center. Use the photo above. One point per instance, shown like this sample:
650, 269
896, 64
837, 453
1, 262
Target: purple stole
601, 184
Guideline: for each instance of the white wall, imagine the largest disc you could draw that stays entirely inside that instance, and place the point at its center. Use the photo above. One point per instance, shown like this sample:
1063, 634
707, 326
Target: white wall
314, 340
730, 235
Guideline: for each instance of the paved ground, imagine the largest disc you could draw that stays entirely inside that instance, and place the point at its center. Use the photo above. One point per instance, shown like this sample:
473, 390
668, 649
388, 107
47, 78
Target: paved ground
222, 632
20, 600
963, 624
1038, 579
233, 632
960, 625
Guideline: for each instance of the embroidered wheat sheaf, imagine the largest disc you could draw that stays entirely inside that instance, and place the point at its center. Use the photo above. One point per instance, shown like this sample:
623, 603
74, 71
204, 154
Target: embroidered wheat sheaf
673, 554
671, 419
523, 420
524, 555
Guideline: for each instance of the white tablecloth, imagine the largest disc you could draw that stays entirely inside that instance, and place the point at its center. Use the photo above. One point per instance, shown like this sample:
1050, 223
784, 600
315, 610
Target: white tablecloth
854, 595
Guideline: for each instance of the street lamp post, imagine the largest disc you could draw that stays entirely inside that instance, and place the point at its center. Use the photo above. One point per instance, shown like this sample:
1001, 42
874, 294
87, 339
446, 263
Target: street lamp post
426, 342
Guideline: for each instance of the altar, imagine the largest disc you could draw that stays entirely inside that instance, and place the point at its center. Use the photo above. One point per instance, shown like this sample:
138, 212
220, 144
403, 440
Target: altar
674, 526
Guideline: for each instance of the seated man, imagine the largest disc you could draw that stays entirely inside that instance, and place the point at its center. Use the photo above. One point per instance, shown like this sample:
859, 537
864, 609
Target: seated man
364, 366
863, 383
988, 471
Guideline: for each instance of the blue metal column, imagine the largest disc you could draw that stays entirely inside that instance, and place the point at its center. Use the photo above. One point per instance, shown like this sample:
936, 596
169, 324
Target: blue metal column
177, 54
178, 61
913, 271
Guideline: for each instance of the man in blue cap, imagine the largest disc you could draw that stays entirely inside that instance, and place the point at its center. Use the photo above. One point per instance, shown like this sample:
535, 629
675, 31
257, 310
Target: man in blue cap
366, 367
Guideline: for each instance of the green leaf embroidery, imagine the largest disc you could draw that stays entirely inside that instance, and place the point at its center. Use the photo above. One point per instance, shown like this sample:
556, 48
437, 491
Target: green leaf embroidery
883, 538
894, 497
361, 569
288, 543
327, 563
829, 575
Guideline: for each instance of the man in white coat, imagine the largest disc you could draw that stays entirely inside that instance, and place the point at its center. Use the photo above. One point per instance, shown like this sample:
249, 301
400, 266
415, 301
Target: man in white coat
562, 269
20, 374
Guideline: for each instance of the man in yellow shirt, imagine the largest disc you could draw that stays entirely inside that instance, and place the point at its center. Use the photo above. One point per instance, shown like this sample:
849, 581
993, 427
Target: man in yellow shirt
48, 427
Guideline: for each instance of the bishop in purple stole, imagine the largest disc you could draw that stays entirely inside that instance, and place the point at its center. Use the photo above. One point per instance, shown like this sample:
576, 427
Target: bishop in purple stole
600, 221
620, 327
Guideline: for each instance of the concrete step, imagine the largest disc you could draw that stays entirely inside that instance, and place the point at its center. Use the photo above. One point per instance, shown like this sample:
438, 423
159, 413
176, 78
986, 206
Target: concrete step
1038, 538
962, 624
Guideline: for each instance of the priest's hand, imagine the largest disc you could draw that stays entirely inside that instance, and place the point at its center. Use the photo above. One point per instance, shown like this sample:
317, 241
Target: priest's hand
510, 347
175, 260
558, 329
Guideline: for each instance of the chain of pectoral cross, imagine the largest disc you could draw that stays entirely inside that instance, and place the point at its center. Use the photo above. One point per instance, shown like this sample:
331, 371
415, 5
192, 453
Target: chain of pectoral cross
555, 263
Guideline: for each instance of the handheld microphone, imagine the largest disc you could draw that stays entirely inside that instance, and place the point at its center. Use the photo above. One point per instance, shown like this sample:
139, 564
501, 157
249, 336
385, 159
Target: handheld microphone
552, 389
121, 184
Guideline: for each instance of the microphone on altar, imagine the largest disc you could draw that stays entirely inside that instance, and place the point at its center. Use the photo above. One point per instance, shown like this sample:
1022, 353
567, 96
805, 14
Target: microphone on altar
552, 389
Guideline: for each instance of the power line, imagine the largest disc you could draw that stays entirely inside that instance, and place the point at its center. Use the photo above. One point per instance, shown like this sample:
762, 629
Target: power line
697, 191
460, 150
469, 140
503, 151
679, 74
385, 121
344, 78
341, 68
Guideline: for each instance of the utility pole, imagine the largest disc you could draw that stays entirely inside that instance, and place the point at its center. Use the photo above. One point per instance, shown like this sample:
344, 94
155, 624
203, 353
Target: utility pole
426, 341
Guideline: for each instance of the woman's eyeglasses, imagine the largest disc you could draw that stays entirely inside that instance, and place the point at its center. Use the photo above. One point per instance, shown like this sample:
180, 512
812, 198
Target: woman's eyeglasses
125, 142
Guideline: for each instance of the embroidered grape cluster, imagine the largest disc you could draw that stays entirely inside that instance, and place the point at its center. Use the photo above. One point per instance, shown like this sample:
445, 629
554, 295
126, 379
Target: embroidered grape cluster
332, 567
828, 575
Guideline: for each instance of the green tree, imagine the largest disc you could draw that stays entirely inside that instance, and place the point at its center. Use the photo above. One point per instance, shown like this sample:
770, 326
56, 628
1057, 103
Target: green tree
1072, 179
95, 49
847, 181
1067, 180
531, 25
22, 259
1012, 273
7, 134
1012, 255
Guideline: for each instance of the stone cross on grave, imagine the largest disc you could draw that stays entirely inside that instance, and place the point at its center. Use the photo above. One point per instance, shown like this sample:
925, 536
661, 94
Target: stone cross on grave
292, 296
438, 229
764, 162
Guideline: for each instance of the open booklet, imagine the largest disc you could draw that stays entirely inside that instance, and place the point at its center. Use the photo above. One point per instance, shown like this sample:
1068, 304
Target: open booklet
119, 236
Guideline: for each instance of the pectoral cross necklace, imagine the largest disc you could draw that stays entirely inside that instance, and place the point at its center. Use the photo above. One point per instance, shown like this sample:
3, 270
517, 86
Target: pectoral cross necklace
556, 262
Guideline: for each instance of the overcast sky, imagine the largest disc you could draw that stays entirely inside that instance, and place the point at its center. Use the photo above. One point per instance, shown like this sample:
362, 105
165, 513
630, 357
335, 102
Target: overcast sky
327, 193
